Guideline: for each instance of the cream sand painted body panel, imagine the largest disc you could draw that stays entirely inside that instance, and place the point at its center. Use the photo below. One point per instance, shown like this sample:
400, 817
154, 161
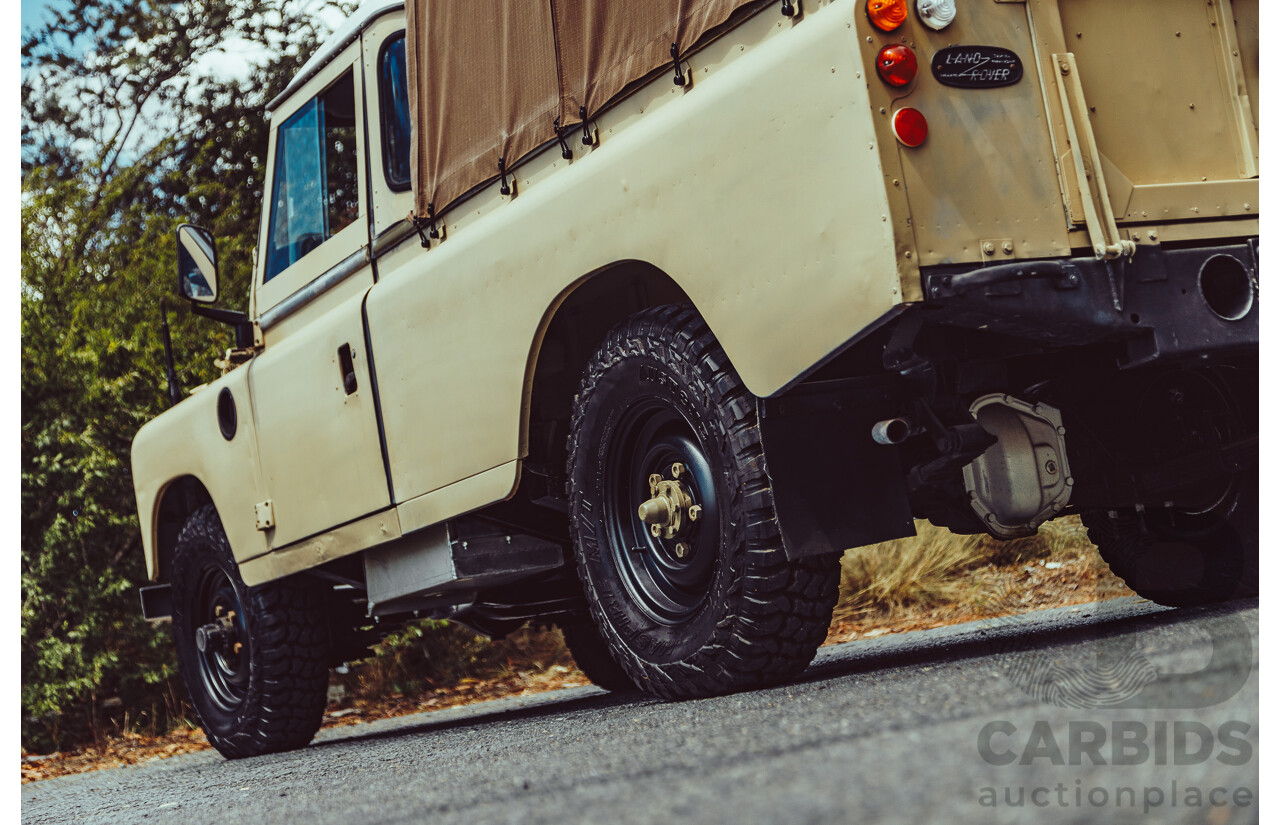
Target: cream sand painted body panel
782, 283
997, 165
987, 168
772, 192
186, 441
389, 205
325, 547
1178, 138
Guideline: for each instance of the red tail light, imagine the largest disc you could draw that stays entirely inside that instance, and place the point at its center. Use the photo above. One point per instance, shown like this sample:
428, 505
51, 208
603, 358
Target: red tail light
896, 65
910, 127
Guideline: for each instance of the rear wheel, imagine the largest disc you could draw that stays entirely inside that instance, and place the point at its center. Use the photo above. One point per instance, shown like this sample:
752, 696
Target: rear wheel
1203, 547
1182, 558
254, 659
673, 520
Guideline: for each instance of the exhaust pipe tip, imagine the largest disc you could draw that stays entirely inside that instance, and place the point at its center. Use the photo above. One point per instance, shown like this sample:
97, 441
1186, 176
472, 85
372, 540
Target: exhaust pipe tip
891, 431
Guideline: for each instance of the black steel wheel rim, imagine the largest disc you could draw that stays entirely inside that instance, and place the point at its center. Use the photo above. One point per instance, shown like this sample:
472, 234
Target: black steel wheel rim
224, 668
652, 436
1192, 412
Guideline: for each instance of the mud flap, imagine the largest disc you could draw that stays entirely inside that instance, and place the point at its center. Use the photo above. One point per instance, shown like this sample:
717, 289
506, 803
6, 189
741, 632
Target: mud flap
833, 487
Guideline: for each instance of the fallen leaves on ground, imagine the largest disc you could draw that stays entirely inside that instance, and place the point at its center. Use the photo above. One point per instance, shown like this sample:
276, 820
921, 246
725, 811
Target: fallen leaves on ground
126, 749
356, 711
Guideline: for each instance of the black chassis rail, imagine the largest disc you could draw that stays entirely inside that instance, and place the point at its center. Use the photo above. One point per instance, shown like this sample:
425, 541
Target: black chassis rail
1160, 303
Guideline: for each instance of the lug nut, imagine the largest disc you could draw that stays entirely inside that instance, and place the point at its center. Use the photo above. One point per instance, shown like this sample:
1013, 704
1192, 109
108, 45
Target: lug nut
677, 470
682, 550
237, 647
695, 512
655, 530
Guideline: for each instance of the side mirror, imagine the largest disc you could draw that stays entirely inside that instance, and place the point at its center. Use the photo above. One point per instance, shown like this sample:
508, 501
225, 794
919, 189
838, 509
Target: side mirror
197, 265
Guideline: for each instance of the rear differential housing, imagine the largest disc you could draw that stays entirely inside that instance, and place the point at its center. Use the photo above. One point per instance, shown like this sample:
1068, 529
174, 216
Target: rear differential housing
1022, 480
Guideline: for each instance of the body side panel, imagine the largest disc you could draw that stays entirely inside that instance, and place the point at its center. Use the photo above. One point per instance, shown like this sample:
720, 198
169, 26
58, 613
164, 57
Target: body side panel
758, 192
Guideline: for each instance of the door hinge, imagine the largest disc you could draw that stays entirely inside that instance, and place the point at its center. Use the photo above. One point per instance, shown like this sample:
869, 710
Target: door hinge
264, 513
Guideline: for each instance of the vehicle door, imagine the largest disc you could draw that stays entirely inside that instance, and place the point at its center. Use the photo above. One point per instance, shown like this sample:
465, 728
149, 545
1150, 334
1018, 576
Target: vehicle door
314, 402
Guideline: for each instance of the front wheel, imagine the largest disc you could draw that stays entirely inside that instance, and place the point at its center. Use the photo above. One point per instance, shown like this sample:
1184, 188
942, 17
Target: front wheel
254, 660
672, 514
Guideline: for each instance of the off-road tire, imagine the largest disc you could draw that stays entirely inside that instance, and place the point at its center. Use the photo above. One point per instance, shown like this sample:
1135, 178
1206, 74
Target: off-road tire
1182, 560
760, 617
271, 695
591, 654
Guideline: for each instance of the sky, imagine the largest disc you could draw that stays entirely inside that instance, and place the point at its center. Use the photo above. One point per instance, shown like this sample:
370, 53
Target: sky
232, 62
33, 11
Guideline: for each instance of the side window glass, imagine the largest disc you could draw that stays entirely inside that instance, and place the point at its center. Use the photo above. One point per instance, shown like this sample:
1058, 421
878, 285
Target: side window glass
393, 91
314, 191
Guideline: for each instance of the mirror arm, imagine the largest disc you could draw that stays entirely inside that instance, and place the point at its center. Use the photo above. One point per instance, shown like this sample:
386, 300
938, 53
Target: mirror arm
238, 321
171, 375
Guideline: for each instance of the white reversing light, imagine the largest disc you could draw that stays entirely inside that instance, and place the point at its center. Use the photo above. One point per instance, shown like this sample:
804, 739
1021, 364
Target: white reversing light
936, 14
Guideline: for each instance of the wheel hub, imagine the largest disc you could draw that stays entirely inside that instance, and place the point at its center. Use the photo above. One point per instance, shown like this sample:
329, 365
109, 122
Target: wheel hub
222, 643
670, 506
661, 489
219, 636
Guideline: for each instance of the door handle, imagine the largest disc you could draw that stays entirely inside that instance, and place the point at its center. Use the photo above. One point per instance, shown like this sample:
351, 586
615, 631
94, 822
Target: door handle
347, 367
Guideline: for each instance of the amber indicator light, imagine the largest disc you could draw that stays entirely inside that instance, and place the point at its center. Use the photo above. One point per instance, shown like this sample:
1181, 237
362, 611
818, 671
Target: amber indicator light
896, 65
910, 127
887, 15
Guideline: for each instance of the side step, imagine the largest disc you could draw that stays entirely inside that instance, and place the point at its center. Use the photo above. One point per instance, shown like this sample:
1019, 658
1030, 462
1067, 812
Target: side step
442, 567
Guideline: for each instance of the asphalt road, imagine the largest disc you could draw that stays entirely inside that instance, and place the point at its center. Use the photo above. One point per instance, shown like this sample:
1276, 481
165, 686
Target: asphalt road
952, 725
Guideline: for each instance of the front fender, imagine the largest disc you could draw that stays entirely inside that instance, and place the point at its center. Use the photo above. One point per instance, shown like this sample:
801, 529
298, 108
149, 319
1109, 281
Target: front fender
186, 441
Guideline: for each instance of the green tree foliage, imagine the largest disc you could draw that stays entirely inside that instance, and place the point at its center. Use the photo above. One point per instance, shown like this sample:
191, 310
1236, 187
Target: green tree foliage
123, 138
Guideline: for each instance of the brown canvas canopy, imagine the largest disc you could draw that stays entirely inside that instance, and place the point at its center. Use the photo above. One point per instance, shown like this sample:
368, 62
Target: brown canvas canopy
489, 80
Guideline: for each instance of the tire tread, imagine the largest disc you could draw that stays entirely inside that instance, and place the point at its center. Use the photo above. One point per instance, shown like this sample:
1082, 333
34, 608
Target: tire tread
779, 609
287, 695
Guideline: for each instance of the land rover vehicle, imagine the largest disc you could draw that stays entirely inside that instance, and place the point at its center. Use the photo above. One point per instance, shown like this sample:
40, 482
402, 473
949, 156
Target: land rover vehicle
631, 318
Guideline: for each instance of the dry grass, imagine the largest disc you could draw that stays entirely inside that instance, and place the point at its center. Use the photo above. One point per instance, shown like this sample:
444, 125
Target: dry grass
932, 569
